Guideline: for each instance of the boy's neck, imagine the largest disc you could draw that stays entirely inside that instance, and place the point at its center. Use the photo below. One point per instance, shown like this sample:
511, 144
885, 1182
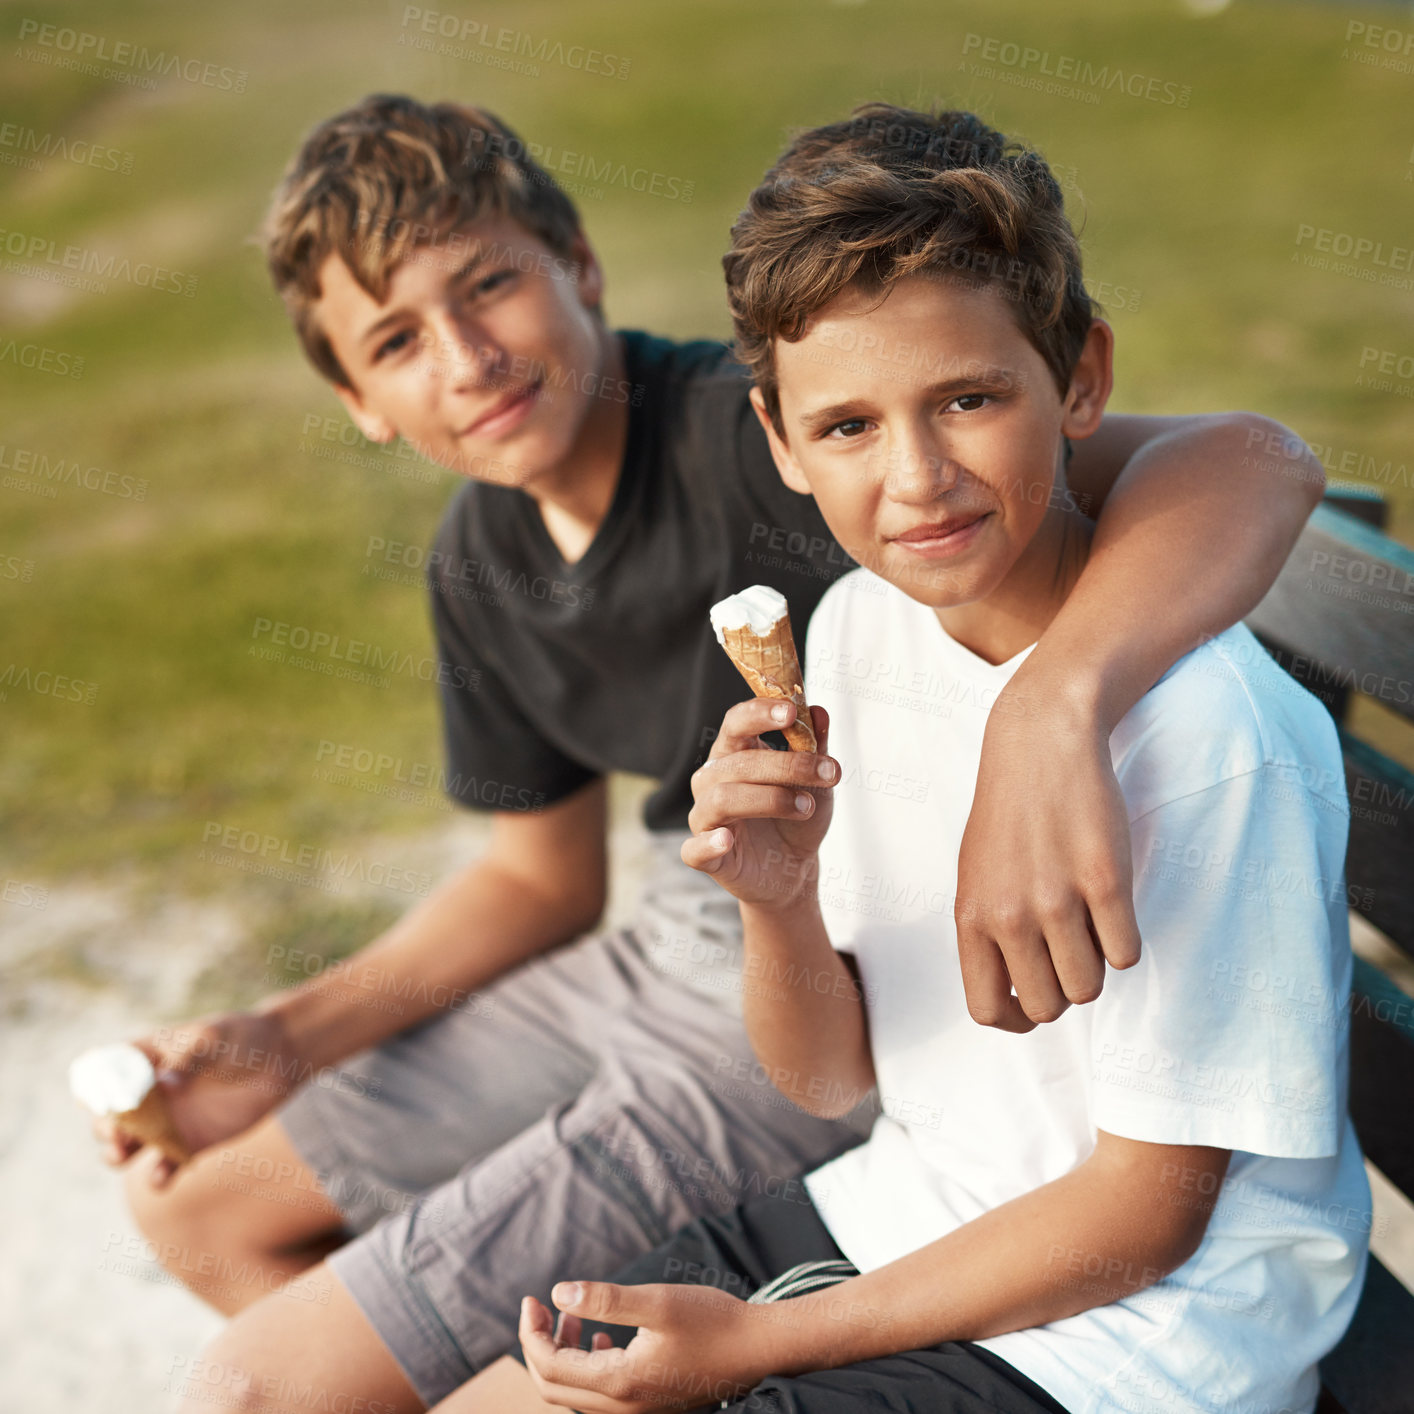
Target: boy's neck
574, 497
1019, 610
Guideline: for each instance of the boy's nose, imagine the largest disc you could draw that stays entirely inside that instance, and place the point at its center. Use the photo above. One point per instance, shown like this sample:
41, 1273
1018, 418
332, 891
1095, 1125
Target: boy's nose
917, 471
465, 355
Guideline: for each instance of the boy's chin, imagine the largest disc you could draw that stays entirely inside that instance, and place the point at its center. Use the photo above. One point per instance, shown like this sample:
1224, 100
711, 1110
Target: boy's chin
937, 586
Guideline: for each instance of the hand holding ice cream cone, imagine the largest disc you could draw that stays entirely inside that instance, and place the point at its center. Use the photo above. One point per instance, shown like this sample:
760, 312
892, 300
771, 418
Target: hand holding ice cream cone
120, 1082
754, 628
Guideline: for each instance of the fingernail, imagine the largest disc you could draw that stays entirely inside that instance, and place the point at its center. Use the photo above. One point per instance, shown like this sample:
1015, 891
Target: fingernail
803, 802
827, 771
780, 713
722, 839
567, 1293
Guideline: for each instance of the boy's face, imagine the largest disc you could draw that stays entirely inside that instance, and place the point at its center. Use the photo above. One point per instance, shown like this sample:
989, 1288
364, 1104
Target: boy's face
928, 429
486, 353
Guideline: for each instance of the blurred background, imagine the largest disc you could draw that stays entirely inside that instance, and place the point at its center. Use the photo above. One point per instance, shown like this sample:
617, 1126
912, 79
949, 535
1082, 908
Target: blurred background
172, 472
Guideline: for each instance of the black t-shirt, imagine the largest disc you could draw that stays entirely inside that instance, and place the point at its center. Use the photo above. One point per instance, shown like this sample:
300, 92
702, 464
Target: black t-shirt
553, 674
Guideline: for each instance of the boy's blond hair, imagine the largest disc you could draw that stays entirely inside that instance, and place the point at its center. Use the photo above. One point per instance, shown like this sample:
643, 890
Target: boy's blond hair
386, 176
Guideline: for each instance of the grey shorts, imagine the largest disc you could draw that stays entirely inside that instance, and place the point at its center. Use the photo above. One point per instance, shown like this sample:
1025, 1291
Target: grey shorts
567, 1120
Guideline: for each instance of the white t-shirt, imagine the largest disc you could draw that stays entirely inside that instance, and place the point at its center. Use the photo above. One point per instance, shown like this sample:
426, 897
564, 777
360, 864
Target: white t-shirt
1231, 1031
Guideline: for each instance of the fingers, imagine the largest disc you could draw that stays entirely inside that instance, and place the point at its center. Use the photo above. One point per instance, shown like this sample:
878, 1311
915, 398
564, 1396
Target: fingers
161, 1172
115, 1146
568, 1330
1079, 965
569, 1377
1033, 977
706, 852
987, 983
724, 802
1115, 926
605, 1301
744, 725
759, 784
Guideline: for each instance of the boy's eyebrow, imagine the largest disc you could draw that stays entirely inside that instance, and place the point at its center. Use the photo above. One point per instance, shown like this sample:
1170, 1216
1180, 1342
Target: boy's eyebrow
393, 315
980, 381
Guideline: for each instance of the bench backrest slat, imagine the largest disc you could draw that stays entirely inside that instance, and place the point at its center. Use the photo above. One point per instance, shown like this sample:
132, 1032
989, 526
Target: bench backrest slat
1343, 605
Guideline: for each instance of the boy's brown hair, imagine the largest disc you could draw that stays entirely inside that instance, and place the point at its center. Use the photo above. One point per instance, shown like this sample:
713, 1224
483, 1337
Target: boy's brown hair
390, 174
892, 192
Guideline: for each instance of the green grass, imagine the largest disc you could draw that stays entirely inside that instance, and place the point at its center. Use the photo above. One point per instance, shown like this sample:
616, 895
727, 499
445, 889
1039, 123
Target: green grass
154, 601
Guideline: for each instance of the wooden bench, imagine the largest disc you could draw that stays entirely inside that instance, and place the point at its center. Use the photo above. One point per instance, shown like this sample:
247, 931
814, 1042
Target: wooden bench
1340, 619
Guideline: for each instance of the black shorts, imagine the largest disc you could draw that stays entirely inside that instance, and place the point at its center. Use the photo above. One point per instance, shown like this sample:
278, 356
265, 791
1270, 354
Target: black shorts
742, 1251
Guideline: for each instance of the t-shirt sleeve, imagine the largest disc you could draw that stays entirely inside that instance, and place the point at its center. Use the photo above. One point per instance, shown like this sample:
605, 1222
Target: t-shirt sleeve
496, 759
1230, 1030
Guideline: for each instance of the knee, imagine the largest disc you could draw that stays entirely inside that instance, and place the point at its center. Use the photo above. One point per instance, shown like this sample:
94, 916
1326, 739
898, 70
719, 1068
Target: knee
185, 1211
222, 1374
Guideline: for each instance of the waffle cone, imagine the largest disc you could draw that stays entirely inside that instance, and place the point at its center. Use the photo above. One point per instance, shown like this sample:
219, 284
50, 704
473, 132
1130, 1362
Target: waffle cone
771, 667
152, 1123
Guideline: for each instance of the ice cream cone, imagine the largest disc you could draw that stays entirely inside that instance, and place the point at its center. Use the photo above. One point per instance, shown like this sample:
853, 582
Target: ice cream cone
152, 1123
764, 654
120, 1081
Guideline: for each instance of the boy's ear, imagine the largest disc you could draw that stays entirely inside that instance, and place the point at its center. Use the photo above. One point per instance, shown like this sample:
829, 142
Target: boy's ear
589, 281
372, 424
786, 463
1090, 383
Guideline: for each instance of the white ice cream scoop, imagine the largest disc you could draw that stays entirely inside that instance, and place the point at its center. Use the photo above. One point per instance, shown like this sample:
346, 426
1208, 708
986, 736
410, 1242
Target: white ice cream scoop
110, 1080
759, 608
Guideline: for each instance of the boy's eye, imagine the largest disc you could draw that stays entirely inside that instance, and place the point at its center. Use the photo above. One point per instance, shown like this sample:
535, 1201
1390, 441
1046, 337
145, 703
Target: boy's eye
393, 344
492, 281
851, 427
970, 402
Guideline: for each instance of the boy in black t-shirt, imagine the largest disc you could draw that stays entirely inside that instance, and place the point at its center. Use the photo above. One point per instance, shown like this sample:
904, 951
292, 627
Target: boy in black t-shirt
598, 1090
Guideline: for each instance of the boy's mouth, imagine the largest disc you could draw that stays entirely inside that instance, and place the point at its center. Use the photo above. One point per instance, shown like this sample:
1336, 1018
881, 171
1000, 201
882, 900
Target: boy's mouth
505, 413
944, 537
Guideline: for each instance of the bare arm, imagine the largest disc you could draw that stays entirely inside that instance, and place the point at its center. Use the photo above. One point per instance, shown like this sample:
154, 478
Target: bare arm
542, 882
804, 1010
758, 817
1193, 531
1117, 1223
1127, 1216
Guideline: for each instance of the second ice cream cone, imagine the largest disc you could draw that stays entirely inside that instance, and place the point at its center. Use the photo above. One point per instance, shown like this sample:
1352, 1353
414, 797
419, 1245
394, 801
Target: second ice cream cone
152, 1123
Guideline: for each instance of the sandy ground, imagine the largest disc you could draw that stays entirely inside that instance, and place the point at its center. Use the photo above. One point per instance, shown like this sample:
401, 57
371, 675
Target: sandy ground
90, 1322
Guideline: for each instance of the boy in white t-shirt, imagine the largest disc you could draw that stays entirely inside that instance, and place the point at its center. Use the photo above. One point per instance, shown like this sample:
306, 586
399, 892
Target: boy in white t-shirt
1154, 1203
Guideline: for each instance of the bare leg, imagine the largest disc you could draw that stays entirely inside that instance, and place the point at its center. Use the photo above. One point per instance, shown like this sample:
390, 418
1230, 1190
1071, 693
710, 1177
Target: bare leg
307, 1347
502, 1388
240, 1220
